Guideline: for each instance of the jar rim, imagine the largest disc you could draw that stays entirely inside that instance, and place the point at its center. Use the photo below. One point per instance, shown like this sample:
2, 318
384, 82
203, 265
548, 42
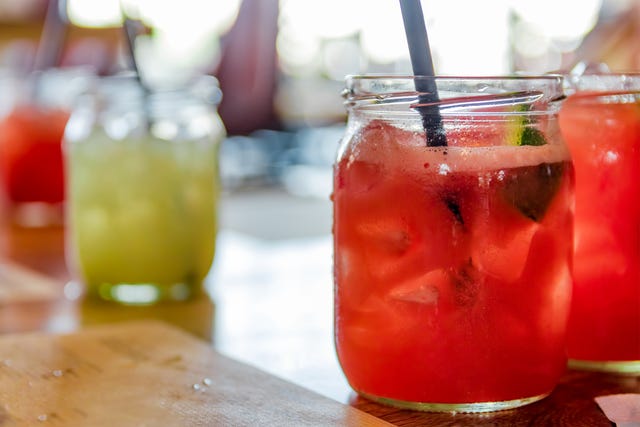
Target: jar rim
204, 88
455, 93
610, 81
495, 77
595, 97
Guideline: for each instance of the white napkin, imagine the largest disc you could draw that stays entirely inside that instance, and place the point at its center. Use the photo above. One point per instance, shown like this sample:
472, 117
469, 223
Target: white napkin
621, 409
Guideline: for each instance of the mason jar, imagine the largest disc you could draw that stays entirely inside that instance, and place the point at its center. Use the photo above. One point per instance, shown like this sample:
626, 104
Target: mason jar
452, 237
34, 110
142, 186
600, 121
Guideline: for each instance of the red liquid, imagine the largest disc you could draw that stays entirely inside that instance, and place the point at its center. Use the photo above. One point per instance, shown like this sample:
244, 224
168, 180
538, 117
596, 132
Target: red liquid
31, 155
604, 140
446, 292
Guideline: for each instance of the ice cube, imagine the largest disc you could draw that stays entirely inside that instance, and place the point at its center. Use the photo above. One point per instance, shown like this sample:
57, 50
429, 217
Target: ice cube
504, 256
390, 235
501, 241
384, 323
387, 246
362, 324
423, 289
597, 251
357, 177
383, 143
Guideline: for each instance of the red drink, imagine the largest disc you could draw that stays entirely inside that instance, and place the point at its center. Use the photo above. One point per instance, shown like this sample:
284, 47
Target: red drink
452, 264
31, 154
603, 134
31, 165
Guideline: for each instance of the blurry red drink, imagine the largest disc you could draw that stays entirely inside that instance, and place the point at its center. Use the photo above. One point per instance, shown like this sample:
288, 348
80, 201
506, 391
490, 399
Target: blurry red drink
602, 130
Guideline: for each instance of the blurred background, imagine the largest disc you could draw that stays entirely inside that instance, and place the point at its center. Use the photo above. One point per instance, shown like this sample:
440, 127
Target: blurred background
281, 63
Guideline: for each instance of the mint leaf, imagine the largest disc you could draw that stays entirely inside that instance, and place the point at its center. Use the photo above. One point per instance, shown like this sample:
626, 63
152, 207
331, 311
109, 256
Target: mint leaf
531, 188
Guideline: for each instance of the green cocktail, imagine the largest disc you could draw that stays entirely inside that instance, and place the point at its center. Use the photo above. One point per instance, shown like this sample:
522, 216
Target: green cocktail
141, 213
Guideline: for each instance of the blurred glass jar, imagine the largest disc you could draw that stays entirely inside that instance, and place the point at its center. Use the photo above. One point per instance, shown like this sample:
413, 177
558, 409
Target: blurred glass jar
143, 183
33, 113
600, 121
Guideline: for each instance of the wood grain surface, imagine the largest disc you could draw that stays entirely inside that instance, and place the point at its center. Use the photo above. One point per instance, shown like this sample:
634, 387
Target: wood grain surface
148, 374
570, 405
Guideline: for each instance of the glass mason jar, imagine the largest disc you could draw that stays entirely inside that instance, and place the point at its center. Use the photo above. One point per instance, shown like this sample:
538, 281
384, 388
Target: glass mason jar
142, 186
601, 124
452, 263
33, 114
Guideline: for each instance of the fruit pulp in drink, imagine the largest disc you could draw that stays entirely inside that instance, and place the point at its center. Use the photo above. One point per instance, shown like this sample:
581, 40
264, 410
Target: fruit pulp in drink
452, 265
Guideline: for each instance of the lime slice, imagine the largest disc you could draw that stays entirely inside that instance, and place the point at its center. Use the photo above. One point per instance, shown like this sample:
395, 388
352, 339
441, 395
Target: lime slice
521, 130
531, 136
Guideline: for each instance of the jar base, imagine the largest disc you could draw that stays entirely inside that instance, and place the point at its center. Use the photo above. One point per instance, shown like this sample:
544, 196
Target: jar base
625, 367
475, 407
144, 293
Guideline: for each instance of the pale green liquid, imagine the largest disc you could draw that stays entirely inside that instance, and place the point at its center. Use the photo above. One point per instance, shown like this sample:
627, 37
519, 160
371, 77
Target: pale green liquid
142, 216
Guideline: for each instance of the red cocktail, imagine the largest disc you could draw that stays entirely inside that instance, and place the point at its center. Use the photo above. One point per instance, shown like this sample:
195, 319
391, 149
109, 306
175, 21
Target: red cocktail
31, 130
603, 133
452, 264
31, 154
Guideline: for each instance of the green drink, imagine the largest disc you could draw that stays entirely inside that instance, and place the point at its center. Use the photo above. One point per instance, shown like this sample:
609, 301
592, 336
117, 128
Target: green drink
141, 211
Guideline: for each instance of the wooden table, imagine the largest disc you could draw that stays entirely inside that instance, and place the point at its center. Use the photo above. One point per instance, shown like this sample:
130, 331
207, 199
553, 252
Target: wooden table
274, 314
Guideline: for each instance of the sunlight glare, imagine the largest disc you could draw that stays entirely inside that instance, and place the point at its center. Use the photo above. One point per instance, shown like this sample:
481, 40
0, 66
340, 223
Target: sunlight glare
94, 13
564, 20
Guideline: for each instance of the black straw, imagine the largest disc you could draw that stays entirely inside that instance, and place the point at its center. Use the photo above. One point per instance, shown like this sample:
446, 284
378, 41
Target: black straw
422, 64
50, 46
131, 33
131, 30
54, 31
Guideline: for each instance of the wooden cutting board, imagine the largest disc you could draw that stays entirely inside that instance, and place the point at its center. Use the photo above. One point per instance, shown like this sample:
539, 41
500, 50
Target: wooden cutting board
148, 374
